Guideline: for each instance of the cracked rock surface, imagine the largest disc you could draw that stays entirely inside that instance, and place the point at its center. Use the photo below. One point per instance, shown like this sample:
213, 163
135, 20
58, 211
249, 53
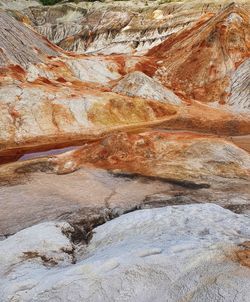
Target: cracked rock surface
149, 169
193, 252
124, 165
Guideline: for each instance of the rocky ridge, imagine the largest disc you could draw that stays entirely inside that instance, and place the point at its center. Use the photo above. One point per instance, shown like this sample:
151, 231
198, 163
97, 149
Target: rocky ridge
54, 81
205, 57
120, 27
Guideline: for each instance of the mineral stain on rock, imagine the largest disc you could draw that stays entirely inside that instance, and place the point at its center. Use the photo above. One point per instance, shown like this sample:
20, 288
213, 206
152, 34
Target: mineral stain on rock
243, 255
124, 151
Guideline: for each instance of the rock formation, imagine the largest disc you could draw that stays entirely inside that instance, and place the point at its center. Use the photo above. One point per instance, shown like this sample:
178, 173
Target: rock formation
199, 62
150, 111
196, 252
20, 46
139, 84
175, 157
120, 27
42, 83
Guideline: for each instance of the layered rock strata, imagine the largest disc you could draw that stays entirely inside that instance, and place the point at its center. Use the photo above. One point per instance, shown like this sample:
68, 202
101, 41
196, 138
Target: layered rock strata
51, 98
120, 27
176, 168
150, 120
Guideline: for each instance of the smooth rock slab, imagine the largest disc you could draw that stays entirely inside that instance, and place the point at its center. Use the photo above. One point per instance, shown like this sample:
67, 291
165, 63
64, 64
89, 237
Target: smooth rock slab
92, 196
179, 253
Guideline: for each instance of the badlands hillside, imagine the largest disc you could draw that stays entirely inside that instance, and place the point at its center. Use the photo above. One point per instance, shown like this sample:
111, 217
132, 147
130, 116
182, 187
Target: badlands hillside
124, 151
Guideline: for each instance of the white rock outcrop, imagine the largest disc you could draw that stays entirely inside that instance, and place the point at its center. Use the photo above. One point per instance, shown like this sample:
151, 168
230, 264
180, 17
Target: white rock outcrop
179, 253
139, 84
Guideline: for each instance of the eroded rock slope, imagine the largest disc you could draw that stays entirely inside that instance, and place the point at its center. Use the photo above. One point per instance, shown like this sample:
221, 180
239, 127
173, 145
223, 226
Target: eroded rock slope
120, 27
145, 115
95, 95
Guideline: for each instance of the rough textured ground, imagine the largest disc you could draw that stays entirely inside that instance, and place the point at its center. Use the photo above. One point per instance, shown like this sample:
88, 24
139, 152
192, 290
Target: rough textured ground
50, 98
178, 168
199, 62
194, 252
89, 197
151, 110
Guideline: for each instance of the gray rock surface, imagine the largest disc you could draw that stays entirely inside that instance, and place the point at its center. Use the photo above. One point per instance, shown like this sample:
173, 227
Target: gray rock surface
179, 253
139, 84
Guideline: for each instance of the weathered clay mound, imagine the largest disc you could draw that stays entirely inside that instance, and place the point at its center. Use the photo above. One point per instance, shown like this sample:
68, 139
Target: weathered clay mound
199, 62
186, 158
20, 45
52, 98
120, 27
240, 88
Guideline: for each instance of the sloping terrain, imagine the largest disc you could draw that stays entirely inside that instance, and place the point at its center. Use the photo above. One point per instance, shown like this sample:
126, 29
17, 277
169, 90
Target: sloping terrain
139, 84
20, 45
42, 84
152, 110
199, 62
120, 27
240, 88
